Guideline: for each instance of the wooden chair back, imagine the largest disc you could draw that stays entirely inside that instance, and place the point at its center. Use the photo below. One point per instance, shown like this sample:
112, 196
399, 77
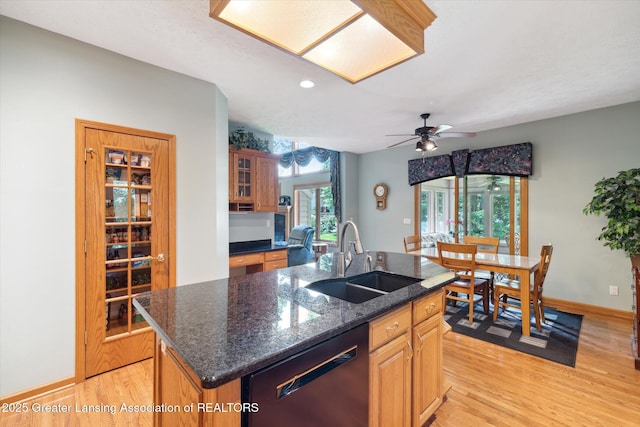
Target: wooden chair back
412, 243
485, 243
541, 273
458, 257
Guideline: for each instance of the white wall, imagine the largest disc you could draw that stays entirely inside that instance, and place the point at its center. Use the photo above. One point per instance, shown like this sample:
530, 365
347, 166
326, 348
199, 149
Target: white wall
46, 81
570, 154
250, 226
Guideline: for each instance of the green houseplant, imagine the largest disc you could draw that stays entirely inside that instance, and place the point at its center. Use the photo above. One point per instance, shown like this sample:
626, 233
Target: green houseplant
618, 198
242, 139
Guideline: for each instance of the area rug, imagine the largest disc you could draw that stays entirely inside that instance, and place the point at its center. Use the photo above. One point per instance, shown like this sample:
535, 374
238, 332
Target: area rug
558, 340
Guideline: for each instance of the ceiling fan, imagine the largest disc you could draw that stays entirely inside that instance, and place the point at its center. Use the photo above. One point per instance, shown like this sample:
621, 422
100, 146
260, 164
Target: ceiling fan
427, 135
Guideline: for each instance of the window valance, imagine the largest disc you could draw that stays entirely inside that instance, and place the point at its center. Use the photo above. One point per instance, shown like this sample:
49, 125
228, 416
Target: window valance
303, 157
510, 160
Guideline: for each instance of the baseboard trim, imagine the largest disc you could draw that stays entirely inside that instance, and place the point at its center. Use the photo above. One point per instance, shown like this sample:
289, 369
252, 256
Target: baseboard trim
588, 309
37, 391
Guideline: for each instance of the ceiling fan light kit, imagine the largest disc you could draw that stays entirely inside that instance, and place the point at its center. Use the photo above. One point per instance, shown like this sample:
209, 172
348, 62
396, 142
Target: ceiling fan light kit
428, 135
426, 144
353, 39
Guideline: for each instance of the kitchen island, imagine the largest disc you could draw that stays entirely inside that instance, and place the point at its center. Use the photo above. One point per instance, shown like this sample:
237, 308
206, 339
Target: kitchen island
211, 334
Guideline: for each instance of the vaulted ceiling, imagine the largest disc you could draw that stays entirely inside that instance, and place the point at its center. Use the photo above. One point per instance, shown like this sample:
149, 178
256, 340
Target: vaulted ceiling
488, 64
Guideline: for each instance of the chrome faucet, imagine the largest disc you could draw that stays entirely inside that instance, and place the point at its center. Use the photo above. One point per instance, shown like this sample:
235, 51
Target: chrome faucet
344, 260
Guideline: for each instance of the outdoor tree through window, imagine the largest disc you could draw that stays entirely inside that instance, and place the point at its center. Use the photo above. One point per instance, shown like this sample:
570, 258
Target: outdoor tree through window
314, 206
485, 206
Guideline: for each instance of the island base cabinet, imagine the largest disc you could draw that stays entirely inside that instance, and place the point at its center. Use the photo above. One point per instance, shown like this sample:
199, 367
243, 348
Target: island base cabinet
184, 402
427, 369
405, 364
390, 384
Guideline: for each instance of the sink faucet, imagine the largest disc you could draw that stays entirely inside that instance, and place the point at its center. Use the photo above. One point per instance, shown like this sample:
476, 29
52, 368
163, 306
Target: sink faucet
344, 260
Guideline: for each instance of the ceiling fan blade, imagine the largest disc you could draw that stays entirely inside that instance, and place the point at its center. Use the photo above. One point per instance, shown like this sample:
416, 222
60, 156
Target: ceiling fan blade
456, 134
440, 129
402, 134
402, 142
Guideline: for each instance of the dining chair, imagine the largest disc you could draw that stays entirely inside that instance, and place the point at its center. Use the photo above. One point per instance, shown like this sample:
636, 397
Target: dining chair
461, 259
506, 289
412, 243
488, 245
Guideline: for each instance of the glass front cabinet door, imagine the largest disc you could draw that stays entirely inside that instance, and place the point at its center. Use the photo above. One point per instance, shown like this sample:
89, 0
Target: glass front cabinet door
128, 236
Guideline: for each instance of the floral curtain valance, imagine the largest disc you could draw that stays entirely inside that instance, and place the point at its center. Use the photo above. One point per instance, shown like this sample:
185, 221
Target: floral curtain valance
511, 160
303, 157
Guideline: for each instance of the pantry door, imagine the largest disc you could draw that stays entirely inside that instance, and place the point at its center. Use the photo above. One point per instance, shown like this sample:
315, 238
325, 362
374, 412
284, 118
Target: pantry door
125, 228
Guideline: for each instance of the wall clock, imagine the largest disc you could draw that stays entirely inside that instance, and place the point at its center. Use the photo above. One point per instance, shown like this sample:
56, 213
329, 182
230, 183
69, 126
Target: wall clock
380, 191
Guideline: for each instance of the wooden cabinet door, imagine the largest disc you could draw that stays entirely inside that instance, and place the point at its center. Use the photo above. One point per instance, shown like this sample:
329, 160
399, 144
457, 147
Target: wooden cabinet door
267, 184
186, 403
390, 384
174, 388
129, 238
243, 177
427, 369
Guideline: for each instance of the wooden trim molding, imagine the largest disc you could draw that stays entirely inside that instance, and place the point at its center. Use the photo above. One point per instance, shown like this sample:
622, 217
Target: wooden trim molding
588, 309
81, 215
416, 210
524, 216
37, 391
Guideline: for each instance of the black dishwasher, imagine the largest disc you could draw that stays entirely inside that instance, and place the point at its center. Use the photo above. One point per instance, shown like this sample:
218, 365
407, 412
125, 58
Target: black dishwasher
325, 385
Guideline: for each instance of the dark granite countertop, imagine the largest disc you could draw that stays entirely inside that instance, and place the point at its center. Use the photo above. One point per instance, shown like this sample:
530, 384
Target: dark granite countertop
253, 246
224, 329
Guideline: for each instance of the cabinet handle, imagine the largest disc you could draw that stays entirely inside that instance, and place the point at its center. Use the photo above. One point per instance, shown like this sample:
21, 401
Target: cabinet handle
421, 341
410, 350
159, 258
429, 308
391, 329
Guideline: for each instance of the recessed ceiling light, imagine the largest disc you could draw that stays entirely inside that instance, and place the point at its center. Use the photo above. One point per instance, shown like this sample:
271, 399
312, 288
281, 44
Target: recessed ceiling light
307, 84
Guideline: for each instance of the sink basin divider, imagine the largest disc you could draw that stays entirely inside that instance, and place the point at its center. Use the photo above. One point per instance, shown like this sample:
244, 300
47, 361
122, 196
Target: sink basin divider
367, 288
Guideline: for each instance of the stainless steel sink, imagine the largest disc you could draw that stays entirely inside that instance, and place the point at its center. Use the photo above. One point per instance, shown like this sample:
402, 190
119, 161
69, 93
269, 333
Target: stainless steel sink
363, 287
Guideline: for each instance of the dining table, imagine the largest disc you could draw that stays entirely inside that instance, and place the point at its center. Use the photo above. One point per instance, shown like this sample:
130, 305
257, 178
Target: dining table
519, 265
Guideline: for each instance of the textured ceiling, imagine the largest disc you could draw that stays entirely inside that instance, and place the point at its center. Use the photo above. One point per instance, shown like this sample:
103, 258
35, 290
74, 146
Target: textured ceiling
488, 64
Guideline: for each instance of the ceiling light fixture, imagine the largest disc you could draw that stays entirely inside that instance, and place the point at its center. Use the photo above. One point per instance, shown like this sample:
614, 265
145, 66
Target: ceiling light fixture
307, 84
353, 39
430, 145
494, 184
426, 144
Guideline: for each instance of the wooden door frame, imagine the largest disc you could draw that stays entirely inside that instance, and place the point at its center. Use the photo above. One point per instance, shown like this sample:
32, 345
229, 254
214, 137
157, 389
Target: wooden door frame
80, 126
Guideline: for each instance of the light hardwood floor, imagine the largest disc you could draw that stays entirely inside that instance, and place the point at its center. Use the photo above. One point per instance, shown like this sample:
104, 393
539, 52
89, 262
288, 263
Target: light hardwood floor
491, 386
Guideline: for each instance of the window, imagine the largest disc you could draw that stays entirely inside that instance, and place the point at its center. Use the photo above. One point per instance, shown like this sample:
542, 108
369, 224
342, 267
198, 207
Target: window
487, 205
314, 206
487, 211
436, 210
281, 146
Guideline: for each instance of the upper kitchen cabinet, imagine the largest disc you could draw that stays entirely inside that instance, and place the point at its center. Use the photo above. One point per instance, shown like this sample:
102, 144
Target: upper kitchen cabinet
267, 184
253, 181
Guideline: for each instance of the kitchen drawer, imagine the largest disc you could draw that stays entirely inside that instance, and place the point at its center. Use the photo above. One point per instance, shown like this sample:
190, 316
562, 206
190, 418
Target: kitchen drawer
275, 255
273, 265
245, 259
427, 306
389, 326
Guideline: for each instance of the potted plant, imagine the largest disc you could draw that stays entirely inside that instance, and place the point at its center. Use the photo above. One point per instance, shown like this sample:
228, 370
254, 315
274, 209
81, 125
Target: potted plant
618, 198
242, 139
